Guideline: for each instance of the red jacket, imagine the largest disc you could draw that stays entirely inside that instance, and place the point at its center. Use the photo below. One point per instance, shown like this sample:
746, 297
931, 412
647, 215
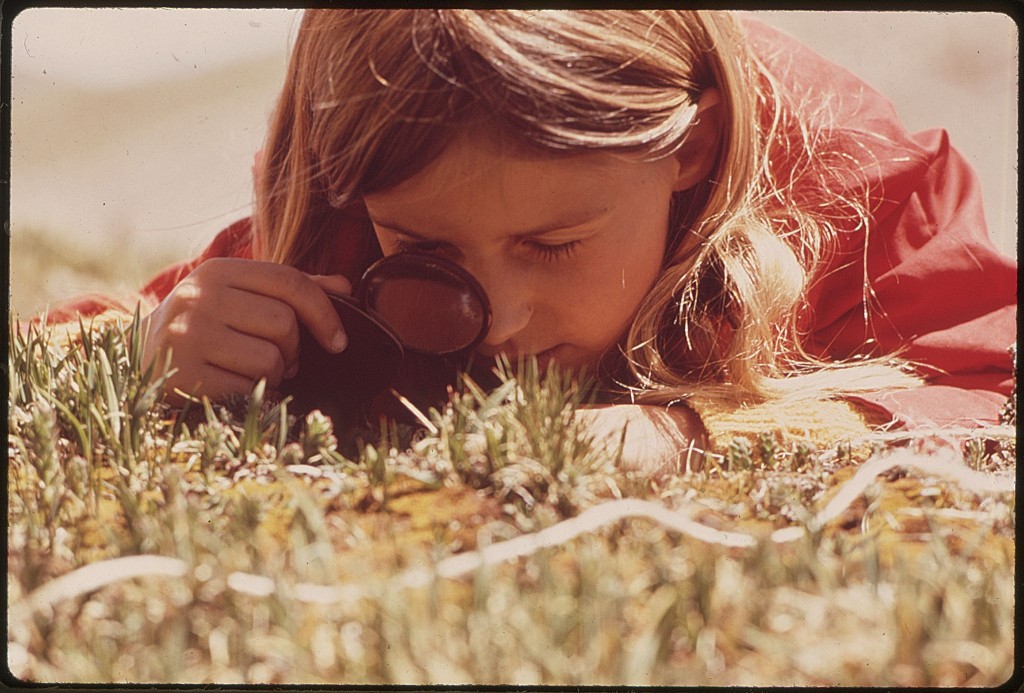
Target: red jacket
941, 292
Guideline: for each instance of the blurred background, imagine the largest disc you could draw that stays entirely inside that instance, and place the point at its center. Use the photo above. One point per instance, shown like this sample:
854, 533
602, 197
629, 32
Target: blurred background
133, 130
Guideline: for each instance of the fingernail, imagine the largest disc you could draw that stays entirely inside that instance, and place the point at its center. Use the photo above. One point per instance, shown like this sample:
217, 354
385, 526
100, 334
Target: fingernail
339, 342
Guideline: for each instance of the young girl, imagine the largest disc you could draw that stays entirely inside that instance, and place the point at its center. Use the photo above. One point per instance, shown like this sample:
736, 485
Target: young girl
733, 233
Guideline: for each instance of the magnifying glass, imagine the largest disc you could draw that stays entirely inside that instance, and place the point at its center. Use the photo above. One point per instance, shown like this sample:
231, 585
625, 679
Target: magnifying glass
406, 302
432, 304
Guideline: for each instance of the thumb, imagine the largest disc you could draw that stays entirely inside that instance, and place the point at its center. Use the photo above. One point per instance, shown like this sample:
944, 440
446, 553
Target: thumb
332, 283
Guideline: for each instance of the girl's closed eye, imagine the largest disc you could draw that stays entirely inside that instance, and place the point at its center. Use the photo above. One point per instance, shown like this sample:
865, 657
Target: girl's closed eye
552, 252
548, 252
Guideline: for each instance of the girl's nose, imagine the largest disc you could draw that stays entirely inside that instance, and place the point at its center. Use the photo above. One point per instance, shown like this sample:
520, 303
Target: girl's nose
510, 306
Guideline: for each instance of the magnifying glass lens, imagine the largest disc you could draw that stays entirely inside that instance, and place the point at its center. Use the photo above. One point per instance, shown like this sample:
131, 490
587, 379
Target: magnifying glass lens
433, 305
430, 316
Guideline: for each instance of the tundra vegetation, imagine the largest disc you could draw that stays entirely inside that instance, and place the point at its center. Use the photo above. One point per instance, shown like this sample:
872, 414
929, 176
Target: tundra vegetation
495, 543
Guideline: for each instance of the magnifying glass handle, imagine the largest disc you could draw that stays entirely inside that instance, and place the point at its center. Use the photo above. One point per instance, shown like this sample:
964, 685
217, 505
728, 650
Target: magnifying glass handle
341, 384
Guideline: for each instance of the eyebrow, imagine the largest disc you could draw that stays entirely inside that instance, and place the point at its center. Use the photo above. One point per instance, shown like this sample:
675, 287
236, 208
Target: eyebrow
568, 223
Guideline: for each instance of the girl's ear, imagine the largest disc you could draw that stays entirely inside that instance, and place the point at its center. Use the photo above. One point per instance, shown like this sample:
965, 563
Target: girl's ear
700, 148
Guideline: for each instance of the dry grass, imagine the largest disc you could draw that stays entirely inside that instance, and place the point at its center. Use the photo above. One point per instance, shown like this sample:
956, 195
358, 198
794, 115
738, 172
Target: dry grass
499, 544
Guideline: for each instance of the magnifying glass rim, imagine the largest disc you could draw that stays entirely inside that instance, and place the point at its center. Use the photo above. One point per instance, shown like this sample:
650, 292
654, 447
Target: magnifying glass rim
418, 262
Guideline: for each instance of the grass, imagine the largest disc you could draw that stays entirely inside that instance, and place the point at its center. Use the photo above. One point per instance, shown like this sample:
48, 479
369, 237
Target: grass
496, 543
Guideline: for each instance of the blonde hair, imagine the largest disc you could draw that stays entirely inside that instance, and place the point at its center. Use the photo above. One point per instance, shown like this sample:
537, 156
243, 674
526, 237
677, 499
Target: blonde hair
372, 96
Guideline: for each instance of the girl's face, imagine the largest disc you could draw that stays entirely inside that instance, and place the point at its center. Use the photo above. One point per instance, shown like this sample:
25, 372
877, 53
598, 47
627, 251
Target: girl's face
566, 246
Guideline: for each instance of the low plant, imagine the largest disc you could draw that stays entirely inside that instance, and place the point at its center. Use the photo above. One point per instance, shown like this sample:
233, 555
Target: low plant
495, 543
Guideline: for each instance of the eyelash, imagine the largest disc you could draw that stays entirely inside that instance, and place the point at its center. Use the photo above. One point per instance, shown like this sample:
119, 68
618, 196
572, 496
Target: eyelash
546, 252
553, 253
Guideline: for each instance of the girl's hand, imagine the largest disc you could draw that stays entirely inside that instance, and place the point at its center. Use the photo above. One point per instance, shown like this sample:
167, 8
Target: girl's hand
659, 440
231, 322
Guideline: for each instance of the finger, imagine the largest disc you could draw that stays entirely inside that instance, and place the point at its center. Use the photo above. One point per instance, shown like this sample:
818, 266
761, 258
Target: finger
218, 383
245, 355
210, 381
293, 287
333, 283
263, 317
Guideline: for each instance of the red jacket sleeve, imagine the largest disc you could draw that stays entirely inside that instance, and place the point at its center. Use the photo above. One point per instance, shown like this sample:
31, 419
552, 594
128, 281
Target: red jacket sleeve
924, 279
346, 250
940, 294
235, 242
